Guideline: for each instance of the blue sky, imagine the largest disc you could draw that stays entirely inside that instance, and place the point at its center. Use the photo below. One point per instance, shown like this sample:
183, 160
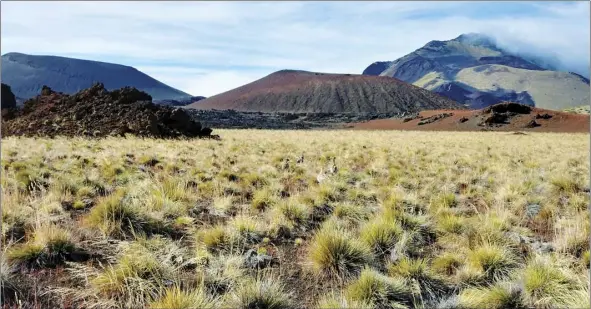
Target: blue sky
205, 48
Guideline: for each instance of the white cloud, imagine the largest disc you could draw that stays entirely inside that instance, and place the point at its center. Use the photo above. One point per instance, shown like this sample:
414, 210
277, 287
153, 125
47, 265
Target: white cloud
207, 47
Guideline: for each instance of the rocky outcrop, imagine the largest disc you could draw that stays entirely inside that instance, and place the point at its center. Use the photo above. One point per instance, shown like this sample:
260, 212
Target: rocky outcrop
503, 112
8, 98
96, 112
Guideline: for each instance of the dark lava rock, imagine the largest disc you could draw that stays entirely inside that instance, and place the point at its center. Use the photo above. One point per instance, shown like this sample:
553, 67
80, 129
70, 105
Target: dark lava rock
434, 118
8, 98
96, 112
532, 210
257, 261
542, 247
501, 113
508, 107
495, 119
463, 119
543, 116
532, 124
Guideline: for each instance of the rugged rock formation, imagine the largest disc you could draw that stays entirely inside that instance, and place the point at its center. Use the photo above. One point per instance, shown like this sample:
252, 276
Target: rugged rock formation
97, 112
8, 98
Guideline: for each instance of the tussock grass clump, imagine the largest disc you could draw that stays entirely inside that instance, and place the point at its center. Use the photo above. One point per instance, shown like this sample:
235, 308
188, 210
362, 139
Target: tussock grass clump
418, 271
261, 293
244, 230
222, 274
545, 283
50, 246
572, 235
448, 263
114, 215
380, 235
379, 290
142, 270
340, 301
263, 199
564, 183
449, 223
499, 296
352, 213
492, 261
334, 252
176, 298
294, 212
444, 201
214, 238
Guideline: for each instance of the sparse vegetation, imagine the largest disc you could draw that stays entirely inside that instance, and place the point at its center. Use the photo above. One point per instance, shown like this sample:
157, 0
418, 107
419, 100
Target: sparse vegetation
446, 220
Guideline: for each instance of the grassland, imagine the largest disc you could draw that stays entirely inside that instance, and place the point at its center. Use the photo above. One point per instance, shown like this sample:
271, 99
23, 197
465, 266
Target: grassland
585, 109
399, 220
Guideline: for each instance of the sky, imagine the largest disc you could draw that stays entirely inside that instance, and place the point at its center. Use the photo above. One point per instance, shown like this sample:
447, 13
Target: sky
205, 48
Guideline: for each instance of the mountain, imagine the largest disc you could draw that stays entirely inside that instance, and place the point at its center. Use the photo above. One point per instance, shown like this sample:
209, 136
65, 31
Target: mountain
472, 70
302, 92
180, 102
26, 74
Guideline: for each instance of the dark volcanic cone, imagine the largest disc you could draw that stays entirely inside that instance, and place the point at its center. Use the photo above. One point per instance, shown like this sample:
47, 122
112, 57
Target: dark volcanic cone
308, 92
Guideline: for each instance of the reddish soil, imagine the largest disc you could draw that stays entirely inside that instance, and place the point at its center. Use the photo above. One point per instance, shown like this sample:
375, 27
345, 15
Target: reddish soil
309, 92
559, 122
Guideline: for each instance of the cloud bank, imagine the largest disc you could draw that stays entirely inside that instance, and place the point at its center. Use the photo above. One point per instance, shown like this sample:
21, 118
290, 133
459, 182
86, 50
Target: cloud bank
205, 48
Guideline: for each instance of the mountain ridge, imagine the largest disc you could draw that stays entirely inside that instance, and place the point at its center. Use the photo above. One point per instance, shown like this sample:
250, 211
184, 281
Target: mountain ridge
437, 65
27, 74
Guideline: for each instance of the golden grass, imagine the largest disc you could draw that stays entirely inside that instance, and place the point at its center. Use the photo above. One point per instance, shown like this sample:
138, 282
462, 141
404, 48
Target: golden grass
411, 219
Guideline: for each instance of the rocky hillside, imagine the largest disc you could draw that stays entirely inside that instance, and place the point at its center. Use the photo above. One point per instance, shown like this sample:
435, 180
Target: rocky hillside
474, 71
505, 116
26, 74
97, 112
309, 92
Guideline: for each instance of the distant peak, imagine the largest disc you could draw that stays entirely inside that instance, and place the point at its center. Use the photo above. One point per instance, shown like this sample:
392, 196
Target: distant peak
287, 71
478, 39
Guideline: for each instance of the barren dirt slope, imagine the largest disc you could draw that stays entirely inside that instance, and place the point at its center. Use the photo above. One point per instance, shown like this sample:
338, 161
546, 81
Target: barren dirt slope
549, 89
